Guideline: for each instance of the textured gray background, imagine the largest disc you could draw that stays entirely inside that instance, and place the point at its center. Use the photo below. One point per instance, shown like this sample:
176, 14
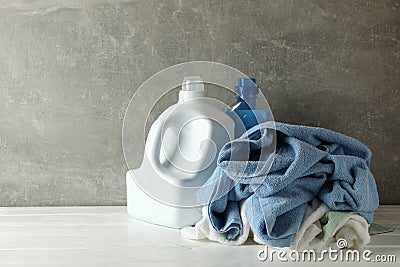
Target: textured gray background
68, 70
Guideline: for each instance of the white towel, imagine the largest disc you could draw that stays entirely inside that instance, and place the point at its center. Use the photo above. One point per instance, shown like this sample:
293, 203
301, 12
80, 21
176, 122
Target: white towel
310, 228
204, 229
353, 228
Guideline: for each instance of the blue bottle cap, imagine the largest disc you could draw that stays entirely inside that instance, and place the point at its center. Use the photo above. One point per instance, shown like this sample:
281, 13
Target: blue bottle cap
246, 86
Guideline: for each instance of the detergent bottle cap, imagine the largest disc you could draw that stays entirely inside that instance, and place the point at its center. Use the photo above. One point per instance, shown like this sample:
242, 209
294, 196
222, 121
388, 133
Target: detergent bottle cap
192, 87
247, 91
247, 86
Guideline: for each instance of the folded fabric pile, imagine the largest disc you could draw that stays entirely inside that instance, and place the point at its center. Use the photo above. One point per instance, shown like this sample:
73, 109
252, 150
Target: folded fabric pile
319, 188
320, 229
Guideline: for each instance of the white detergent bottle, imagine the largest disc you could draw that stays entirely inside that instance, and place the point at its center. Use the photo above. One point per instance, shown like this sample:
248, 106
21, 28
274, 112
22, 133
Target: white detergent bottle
180, 155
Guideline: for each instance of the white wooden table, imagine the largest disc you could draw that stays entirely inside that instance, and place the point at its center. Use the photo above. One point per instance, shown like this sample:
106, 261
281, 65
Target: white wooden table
106, 236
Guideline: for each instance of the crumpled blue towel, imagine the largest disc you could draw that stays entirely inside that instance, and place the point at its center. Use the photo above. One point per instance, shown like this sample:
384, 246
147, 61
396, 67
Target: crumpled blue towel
309, 162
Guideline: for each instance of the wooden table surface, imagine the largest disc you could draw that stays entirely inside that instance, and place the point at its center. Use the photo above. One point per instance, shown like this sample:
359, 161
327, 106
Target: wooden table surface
107, 236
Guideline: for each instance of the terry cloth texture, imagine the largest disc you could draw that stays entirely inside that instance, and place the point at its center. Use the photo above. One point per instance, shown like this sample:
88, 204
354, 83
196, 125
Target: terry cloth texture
309, 162
204, 230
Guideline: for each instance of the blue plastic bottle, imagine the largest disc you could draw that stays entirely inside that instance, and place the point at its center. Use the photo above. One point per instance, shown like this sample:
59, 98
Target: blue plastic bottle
246, 108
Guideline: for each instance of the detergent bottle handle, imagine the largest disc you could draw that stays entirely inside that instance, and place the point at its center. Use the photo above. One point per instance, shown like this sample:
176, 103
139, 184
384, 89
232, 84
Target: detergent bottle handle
154, 149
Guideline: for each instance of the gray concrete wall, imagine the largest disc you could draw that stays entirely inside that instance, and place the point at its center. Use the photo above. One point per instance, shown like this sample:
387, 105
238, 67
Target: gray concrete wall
68, 70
